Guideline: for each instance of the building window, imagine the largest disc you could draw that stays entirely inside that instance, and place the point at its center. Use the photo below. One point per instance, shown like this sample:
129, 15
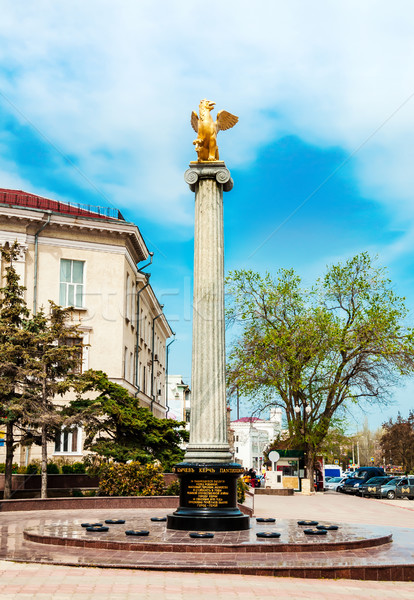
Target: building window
141, 325
131, 367
187, 415
78, 343
126, 375
67, 441
127, 299
71, 283
290, 470
133, 305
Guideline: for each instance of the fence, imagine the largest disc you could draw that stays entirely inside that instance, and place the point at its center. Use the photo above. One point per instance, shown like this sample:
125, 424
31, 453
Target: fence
16, 198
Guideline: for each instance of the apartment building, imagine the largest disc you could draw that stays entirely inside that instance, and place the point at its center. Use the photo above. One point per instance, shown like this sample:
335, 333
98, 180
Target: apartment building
178, 399
253, 435
92, 259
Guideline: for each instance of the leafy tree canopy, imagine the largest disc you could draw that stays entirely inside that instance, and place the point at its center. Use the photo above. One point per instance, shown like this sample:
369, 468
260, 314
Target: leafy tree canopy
342, 341
397, 442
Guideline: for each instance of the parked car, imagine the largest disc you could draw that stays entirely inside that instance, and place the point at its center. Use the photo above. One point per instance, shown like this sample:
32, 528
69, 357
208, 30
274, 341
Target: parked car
333, 483
399, 487
361, 475
372, 487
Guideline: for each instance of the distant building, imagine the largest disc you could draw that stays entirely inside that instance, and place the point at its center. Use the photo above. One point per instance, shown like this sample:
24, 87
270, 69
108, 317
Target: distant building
89, 257
252, 436
178, 399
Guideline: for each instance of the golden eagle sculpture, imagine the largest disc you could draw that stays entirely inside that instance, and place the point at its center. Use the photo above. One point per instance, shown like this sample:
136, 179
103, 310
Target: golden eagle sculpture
207, 130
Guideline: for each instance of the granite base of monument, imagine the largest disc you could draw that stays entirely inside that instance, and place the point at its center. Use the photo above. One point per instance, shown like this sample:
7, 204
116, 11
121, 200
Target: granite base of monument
208, 498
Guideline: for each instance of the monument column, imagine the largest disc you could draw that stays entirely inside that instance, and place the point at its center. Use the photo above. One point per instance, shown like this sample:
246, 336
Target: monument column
208, 431
208, 477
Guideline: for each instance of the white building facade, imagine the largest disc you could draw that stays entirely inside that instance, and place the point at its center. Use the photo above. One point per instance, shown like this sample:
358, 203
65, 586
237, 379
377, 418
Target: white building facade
253, 435
90, 258
178, 399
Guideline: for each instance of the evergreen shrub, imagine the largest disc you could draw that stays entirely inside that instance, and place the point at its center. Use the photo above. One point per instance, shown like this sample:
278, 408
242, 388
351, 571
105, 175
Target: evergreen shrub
78, 467
33, 468
67, 469
52, 469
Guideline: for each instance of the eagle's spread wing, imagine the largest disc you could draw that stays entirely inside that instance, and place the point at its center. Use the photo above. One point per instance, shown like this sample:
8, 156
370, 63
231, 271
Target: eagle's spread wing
225, 120
194, 121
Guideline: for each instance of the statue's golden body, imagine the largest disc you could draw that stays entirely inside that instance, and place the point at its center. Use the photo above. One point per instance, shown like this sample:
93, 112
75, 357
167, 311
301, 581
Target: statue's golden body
207, 130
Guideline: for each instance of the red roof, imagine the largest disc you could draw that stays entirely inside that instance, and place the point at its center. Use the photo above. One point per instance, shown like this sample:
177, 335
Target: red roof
247, 420
20, 198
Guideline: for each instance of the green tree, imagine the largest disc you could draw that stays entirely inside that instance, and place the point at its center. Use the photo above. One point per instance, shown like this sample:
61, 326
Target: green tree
314, 351
397, 442
337, 445
14, 342
117, 427
50, 371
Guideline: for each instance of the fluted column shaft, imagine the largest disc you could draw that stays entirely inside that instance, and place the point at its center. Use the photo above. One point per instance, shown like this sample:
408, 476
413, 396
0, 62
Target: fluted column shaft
208, 421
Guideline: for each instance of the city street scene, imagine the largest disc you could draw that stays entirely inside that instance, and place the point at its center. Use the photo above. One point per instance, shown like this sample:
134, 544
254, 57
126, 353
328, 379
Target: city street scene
206, 300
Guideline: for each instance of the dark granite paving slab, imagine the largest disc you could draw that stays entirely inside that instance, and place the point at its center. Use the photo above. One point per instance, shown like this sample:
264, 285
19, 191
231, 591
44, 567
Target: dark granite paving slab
391, 561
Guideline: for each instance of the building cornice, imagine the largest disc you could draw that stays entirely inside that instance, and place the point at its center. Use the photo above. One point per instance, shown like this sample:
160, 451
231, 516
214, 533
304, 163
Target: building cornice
124, 229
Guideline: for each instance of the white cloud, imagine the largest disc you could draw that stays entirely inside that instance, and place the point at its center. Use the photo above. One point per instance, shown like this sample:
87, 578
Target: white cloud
123, 77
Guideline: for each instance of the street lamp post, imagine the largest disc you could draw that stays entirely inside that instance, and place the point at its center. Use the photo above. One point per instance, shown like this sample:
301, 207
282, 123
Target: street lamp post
306, 409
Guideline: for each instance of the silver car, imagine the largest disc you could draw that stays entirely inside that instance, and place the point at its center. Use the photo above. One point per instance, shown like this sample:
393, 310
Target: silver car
333, 483
399, 488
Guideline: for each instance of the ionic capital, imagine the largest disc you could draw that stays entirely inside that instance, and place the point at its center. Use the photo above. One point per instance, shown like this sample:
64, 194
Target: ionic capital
209, 170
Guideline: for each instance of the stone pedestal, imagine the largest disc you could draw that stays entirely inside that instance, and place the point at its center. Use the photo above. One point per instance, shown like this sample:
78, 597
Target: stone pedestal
307, 488
208, 498
208, 476
273, 480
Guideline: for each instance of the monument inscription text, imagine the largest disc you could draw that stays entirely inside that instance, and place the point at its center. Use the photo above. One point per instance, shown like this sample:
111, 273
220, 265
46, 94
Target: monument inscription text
207, 493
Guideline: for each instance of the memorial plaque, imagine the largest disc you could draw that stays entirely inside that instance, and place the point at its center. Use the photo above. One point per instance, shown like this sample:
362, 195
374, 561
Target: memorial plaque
207, 494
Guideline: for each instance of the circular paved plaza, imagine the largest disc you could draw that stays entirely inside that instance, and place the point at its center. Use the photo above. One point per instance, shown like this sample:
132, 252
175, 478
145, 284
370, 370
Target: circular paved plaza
38, 580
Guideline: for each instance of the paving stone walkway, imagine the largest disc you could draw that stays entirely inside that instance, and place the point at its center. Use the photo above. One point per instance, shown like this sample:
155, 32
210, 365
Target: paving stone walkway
45, 582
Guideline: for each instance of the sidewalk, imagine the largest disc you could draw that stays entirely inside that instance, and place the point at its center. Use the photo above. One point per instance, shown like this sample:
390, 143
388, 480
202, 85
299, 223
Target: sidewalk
44, 582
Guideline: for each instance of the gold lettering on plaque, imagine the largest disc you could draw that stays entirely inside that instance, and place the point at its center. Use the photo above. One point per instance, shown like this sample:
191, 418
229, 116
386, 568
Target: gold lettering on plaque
207, 493
183, 470
231, 471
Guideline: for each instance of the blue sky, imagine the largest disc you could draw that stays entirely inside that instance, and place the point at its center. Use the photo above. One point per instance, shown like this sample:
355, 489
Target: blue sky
95, 104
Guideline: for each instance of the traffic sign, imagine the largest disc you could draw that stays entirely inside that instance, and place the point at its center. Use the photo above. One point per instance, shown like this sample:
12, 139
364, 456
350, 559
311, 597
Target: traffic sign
274, 456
